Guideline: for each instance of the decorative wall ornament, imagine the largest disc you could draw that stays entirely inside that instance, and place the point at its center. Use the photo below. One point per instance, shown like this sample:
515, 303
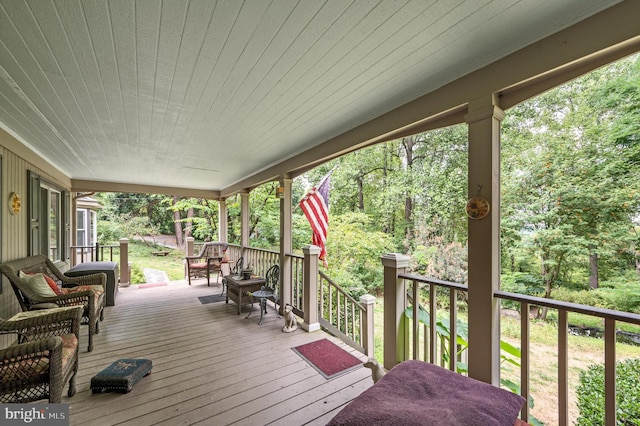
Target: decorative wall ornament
15, 203
477, 208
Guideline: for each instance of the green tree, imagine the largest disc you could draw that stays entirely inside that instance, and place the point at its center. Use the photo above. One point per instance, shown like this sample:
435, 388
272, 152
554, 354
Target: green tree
568, 185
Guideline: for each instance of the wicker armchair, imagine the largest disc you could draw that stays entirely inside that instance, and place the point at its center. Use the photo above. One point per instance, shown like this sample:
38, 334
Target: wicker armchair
44, 358
208, 261
87, 291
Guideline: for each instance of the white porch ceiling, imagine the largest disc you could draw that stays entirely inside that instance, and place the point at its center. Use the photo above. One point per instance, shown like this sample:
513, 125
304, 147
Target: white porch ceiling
202, 94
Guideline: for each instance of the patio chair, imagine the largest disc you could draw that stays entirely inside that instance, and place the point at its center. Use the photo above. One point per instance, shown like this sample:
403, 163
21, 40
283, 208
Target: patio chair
60, 290
236, 270
208, 261
269, 291
44, 357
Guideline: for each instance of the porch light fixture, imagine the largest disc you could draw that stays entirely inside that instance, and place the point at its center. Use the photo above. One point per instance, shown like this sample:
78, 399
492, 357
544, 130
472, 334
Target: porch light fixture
280, 192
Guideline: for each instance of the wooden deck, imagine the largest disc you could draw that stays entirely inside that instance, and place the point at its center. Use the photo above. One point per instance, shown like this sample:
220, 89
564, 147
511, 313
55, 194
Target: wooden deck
210, 365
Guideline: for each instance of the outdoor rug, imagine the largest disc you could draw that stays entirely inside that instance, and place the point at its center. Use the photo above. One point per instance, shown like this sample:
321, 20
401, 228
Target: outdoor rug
327, 358
213, 298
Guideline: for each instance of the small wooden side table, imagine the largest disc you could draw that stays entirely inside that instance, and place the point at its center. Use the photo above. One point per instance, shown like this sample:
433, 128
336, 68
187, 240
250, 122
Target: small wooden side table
238, 288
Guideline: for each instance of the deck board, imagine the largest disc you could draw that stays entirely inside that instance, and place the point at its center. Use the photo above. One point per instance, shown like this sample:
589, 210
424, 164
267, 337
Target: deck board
210, 365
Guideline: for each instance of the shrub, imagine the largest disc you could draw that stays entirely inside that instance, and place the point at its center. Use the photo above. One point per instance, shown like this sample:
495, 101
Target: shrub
590, 393
137, 275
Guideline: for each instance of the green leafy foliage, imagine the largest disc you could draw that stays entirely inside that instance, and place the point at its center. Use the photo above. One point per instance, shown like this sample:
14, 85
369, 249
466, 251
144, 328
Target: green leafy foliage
590, 394
356, 267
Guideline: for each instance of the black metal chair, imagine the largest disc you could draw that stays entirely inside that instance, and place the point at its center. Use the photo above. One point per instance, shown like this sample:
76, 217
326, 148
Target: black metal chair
269, 291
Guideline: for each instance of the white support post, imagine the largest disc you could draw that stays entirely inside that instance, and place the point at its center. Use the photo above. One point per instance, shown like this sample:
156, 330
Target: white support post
483, 119
368, 338
286, 243
396, 344
188, 251
310, 288
125, 278
223, 231
244, 220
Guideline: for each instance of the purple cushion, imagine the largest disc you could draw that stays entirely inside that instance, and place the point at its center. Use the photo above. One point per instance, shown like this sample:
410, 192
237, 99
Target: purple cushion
419, 393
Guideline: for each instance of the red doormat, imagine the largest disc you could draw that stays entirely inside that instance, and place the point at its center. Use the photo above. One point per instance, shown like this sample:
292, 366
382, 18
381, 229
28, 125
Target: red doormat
328, 358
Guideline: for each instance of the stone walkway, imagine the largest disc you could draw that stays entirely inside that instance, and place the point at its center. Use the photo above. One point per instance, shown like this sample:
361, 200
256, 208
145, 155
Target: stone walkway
155, 276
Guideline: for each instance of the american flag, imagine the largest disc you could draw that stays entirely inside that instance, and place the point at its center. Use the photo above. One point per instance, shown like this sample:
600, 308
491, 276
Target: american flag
315, 206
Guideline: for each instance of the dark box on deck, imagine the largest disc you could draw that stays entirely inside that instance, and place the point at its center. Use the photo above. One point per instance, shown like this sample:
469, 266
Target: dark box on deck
121, 375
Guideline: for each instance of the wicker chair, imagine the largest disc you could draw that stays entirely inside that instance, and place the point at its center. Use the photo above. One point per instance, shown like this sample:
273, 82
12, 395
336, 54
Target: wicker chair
44, 358
206, 262
87, 291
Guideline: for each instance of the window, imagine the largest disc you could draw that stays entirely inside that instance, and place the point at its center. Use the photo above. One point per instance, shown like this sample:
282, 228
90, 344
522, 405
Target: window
48, 219
53, 234
81, 227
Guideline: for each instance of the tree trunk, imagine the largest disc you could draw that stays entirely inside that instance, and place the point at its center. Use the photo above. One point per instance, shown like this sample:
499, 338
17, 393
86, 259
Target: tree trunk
177, 227
593, 267
408, 144
188, 228
548, 281
360, 194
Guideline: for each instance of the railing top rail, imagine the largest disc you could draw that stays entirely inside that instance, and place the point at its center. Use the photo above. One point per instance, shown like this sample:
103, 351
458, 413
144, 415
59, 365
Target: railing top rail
256, 248
340, 289
539, 301
297, 256
428, 280
106, 246
571, 307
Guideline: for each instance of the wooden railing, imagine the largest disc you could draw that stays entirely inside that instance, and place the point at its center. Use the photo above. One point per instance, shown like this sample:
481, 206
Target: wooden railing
260, 260
296, 273
421, 341
342, 315
115, 253
96, 253
337, 311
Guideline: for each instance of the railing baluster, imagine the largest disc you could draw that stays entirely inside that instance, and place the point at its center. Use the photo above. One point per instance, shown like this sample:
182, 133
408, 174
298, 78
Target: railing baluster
425, 344
415, 324
610, 371
524, 357
432, 323
453, 329
346, 317
563, 368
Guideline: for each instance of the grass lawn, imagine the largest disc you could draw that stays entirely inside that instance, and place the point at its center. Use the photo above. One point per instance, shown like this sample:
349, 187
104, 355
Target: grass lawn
140, 257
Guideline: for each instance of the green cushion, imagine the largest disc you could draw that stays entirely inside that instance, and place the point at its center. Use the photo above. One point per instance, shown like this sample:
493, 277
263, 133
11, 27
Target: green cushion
38, 284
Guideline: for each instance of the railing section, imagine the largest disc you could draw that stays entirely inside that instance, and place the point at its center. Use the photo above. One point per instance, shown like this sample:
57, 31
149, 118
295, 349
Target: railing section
260, 260
341, 314
338, 312
96, 253
434, 344
297, 285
